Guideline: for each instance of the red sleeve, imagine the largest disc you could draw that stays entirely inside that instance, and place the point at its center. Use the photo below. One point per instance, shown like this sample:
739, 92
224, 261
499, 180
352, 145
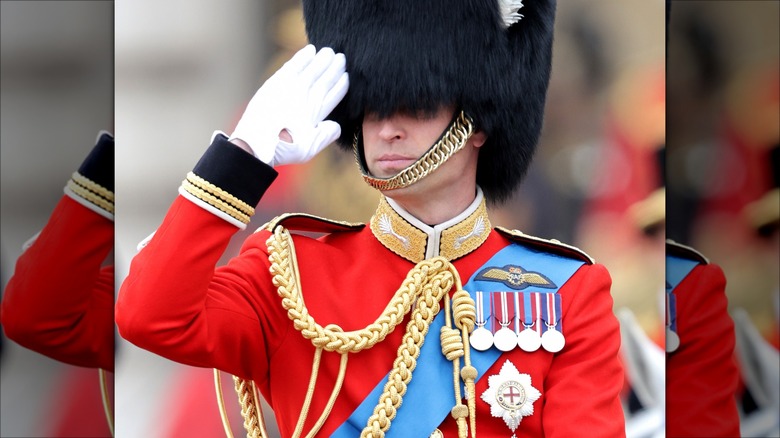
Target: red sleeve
175, 303
59, 301
585, 378
701, 376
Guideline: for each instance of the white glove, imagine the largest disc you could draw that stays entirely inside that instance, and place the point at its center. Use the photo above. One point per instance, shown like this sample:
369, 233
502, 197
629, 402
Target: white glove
296, 98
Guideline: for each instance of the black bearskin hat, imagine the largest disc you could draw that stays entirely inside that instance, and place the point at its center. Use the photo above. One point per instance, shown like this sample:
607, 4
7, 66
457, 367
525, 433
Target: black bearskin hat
416, 55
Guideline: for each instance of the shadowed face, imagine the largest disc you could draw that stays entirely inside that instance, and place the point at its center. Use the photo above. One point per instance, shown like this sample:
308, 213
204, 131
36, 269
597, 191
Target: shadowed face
393, 143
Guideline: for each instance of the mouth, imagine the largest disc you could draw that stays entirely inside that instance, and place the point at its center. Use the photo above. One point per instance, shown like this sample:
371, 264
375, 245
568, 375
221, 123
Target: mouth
391, 164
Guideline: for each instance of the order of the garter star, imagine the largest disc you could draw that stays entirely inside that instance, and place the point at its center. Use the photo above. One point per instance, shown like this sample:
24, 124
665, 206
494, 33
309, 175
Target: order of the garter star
510, 395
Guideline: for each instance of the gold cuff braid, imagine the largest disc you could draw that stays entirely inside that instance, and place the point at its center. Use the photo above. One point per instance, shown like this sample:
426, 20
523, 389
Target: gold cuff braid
451, 142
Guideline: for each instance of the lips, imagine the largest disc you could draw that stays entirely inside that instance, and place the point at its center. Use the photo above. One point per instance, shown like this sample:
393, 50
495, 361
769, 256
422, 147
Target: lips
390, 164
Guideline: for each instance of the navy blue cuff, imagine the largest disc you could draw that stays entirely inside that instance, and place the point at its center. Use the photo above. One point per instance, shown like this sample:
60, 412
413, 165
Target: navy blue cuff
235, 171
98, 167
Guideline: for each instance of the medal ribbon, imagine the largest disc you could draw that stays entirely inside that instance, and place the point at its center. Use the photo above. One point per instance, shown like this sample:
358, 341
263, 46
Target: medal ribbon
503, 310
552, 311
479, 301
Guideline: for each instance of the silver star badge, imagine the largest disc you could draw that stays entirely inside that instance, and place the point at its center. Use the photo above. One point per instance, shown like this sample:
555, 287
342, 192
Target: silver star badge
510, 395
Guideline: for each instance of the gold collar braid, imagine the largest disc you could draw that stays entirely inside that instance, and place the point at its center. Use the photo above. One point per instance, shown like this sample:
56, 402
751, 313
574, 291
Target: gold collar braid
450, 142
424, 287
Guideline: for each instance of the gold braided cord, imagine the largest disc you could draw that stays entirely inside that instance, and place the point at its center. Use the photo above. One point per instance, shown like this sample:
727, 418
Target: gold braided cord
92, 186
91, 196
249, 408
455, 345
426, 285
214, 201
427, 307
201, 183
103, 374
221, 404
332, 338
333, 395
451, 142
315, 368
465, 318
259, 411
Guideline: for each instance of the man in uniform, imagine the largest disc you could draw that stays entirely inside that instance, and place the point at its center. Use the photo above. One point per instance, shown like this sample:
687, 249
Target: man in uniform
426, 322
59, 301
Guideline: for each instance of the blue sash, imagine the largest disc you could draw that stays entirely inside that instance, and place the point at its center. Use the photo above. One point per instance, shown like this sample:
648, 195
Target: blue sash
430, 395
676, 270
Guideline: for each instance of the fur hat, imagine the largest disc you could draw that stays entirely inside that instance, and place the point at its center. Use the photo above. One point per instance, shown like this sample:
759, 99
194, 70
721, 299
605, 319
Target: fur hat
416, 55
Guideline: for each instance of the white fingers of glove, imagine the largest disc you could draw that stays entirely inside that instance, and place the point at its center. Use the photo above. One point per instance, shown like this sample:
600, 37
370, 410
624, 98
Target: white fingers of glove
297, 98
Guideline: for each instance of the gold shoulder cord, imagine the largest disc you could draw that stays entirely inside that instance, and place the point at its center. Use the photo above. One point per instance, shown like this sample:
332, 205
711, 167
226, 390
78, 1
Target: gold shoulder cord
424, 287
106, 399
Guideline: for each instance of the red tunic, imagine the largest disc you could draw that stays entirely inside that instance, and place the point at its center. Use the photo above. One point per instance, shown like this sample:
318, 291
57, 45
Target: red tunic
60, 300
701, 375
176, 304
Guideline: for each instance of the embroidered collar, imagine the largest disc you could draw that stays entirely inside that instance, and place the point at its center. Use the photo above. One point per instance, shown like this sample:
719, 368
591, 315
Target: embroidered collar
415, 241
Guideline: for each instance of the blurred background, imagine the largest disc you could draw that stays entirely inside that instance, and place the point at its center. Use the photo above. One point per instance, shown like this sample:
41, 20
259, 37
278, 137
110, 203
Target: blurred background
723, 131
56, 94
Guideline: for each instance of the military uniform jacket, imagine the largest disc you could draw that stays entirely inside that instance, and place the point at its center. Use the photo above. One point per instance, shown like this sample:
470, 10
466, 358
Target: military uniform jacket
60, 300
176, 304
701, 374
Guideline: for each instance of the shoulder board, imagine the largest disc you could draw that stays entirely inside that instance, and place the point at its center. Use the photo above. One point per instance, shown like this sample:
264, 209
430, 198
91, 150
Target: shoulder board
552, 245
311, 223
685, 252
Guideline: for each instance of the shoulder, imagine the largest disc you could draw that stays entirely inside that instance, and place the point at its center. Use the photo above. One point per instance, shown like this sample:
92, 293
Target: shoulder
303, 222
549, 246
674, 249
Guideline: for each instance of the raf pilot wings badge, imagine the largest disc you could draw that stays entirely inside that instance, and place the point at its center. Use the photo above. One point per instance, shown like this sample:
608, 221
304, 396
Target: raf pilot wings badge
515, 277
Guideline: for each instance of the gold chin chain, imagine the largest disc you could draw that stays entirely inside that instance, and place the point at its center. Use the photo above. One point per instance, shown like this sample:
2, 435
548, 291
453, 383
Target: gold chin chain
450, 142
424, 287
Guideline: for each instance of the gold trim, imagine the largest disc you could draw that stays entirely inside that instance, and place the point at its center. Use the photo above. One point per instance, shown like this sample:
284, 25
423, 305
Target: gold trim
451, 142
106, 399
568, 250
202, 184
398, 235
424, 287
91, 197
410, 242
467, 235
92, 186
214, 201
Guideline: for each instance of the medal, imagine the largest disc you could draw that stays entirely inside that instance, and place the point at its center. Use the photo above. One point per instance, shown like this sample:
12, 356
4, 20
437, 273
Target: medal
672, 341
481, 339
505, 338
529, 340
552, 339
510, 396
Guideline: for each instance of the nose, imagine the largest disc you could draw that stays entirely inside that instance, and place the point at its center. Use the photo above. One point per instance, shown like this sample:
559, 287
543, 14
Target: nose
390, 131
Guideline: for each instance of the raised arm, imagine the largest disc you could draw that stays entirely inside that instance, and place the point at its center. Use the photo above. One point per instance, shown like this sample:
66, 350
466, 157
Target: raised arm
59, 301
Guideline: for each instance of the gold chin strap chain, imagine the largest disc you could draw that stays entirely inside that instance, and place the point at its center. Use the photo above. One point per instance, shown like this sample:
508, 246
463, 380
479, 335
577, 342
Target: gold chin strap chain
424, 288
450, 142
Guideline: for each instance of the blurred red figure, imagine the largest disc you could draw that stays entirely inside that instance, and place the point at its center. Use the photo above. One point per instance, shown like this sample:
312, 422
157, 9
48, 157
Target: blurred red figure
59, 301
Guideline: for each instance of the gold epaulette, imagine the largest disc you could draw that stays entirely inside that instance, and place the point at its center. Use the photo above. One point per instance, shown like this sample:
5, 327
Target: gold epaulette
310, 223
551, 245
685, 252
